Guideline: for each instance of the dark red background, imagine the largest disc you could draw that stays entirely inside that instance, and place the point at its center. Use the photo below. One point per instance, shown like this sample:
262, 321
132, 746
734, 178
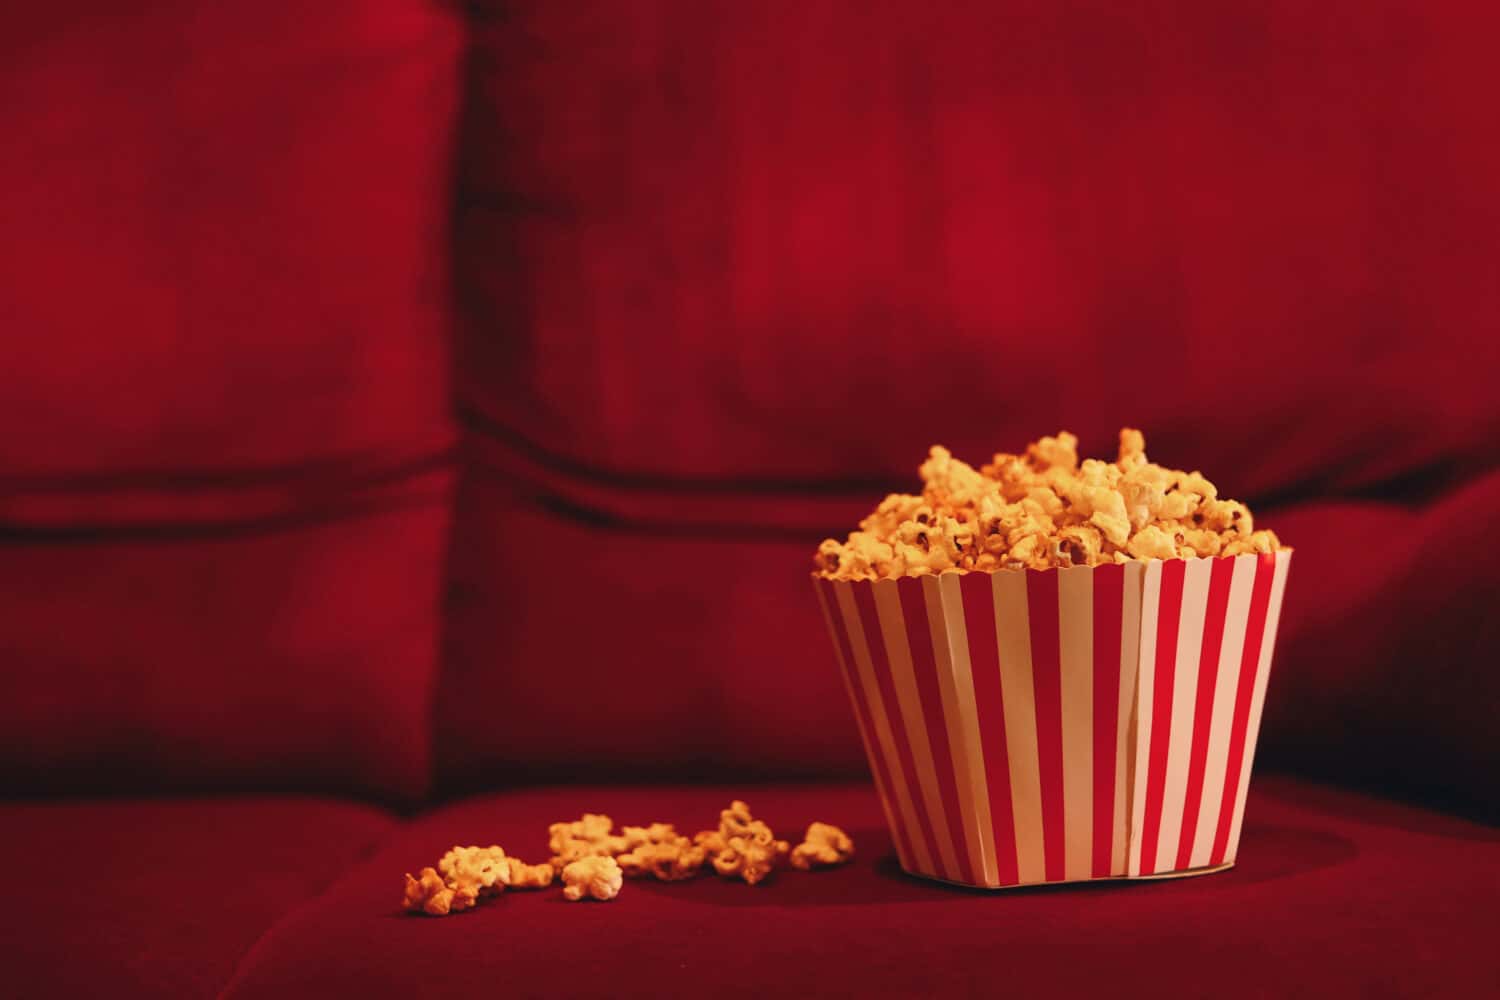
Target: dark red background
400, 399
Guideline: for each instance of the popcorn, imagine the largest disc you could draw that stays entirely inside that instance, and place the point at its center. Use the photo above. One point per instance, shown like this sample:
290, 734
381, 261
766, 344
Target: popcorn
1042, 509
1079, 545
1151, 542
1060, 452
748, 859
711, 841
825, 845
656, 833
598, 859
588, 837
1260, 541
465, 875
524, 876
668, 861
429, 893
593, 828
1202, 542
742, 845
485, 868
736, 821
659, 850
1132, 448
594, 877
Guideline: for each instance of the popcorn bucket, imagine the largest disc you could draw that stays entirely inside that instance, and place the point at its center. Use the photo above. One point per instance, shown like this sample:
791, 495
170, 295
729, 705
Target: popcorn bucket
1035, 726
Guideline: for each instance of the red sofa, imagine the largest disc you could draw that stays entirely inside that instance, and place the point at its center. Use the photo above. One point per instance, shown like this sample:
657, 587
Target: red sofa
416, 419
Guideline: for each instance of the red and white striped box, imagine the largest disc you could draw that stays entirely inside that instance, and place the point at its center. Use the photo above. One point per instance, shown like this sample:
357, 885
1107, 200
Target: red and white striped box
1034, 726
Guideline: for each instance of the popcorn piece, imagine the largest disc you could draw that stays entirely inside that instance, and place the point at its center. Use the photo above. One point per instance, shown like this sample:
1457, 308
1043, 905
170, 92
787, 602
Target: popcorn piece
749, 860
1132, 448
668, 861
742, 846
588, 837
1109, 514
1054, 452
1203, 543
593, 877
824, 845
1041, 509
593, 827
736, 821
428, 893
524, 876
1079, 545
1229, 517
1260, 541
830, 557
485, 868
1265, 541
1152, 543
894, 509
949, 480
656, 833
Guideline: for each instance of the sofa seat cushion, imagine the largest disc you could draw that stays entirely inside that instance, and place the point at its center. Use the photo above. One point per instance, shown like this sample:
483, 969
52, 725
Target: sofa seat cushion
161, 898
1334, 892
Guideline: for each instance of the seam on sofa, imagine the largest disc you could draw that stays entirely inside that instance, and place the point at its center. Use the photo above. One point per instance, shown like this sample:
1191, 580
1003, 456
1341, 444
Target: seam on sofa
523, 448
97, 532
109, 507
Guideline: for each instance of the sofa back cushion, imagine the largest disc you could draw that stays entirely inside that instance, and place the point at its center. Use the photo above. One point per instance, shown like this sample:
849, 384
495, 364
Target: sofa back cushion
224, 468
727, 271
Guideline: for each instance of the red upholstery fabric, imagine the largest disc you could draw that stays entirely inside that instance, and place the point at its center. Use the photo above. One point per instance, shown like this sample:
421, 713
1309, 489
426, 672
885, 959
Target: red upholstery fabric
1334, 895
1386, 671
640, 665
726, 272
142, 898
295, 657
757, 242
225, 314
656, 656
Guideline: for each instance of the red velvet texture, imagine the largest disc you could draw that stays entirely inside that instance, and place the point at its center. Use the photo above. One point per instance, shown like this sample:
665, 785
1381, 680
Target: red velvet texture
726, 272
156, 899
766, 242
294, 657
718, 290
224, 417
1334, 895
